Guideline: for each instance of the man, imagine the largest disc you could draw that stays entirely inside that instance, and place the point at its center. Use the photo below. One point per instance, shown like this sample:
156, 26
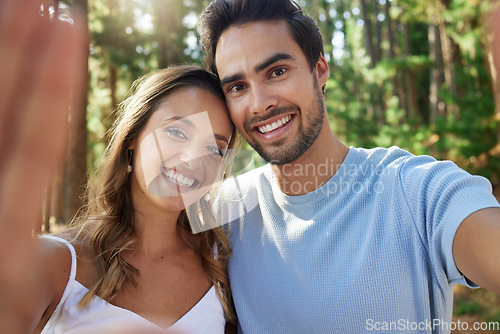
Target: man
326, 238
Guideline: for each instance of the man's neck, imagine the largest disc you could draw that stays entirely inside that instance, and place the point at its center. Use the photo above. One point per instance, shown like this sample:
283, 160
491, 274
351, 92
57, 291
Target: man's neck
312, 169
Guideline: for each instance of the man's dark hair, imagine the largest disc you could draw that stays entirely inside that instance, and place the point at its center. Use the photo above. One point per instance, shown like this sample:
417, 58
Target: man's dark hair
222, 14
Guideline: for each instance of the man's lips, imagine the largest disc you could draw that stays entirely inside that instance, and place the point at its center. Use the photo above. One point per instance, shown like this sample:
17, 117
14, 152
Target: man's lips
273, 123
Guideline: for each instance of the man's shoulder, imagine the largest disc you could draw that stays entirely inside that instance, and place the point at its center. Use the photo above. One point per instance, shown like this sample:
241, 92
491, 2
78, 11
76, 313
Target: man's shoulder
381, 155
414, 172
376, 160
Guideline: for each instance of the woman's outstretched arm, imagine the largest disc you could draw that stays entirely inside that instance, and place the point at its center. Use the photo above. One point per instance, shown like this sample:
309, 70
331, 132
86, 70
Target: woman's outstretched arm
40, 74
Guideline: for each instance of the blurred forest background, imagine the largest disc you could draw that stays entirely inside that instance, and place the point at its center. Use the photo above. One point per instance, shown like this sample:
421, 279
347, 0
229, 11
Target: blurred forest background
413, 73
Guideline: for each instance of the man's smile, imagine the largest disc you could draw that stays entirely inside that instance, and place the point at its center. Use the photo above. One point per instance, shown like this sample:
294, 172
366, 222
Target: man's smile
271, 126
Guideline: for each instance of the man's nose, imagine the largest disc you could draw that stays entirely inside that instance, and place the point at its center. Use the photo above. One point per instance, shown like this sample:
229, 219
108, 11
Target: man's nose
262, 99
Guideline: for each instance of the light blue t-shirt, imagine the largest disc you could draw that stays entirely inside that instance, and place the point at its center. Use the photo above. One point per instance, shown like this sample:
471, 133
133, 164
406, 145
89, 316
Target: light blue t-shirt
370, 251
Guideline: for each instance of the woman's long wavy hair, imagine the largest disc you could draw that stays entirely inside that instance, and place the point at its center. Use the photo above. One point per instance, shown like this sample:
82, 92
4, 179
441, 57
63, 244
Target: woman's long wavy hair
106, 224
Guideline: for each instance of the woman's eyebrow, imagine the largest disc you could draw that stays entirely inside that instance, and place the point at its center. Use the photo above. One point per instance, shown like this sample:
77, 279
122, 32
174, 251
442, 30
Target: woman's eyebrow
179, 118
186, 121
221, 137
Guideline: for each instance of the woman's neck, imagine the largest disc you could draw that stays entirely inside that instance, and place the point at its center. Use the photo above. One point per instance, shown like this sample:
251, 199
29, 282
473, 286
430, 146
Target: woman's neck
158, 235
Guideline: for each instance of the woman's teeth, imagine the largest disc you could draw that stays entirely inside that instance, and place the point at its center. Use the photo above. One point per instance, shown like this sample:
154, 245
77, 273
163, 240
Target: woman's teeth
179, 179
273, 126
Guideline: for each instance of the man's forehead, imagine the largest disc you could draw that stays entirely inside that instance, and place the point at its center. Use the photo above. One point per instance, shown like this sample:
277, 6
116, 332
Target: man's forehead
250, 43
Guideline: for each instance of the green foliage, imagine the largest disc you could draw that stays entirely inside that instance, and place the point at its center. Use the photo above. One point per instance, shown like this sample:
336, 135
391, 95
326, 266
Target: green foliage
466, 306
377, 105
381, 104
481, 304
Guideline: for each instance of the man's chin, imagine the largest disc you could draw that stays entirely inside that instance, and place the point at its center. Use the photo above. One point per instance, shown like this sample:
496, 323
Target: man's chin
280, 157
278, 154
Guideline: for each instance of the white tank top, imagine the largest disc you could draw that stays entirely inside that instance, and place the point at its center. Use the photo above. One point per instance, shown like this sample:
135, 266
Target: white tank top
207, 316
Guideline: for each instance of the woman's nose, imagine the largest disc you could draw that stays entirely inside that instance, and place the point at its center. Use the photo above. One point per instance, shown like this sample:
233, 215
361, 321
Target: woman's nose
193, 155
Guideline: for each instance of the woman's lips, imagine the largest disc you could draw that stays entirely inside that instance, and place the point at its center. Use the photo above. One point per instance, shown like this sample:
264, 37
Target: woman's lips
179, 178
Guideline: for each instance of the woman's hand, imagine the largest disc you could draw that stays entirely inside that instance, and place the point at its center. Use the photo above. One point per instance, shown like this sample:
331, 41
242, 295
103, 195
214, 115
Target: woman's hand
41, 63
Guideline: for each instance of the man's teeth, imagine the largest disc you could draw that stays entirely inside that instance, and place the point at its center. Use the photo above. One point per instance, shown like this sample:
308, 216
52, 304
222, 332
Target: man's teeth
180, 179
270, 127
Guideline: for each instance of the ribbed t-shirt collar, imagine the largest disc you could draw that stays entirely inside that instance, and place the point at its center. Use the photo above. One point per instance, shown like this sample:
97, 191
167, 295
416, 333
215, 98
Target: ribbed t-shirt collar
329, 188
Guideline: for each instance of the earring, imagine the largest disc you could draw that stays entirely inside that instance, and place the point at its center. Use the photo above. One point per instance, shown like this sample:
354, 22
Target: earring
129, 167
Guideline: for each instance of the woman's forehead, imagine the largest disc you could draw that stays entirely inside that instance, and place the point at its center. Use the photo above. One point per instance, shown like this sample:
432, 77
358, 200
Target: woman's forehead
197, 107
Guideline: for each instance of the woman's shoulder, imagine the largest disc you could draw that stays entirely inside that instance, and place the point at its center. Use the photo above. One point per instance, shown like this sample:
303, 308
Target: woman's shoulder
52, 269
63, 252
54, 259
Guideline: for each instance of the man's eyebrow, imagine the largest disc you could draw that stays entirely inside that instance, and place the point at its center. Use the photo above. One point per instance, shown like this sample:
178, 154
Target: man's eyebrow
259, 68
231, 78
271, 60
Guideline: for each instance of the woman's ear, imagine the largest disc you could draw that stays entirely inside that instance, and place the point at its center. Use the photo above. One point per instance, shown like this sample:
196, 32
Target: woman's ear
322, 70
131, 145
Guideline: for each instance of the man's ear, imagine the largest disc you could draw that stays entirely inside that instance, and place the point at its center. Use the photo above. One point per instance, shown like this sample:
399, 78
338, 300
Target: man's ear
322, 70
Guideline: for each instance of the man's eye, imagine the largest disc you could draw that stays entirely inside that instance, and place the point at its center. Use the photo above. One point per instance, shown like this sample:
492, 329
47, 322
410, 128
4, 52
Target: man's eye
176, 132
215, 150
236, 88
277, 72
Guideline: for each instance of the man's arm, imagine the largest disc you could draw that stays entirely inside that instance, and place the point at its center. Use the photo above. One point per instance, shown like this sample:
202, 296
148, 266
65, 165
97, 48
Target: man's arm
476, 248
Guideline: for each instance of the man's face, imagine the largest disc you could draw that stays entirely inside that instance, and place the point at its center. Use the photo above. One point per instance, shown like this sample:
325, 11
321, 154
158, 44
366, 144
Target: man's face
273, 96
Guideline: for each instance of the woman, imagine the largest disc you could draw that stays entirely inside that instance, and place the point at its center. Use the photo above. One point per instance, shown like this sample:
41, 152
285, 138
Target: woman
130, 263
135, 259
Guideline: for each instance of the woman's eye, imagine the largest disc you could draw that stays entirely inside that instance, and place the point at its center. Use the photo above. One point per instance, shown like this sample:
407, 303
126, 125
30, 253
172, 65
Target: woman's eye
215, 150
176, 132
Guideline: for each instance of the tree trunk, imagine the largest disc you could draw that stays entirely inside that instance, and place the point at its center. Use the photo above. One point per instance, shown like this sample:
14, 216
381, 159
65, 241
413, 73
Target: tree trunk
57, 199
412, 108
449, 72
47, 199
436, 77
378, 33
399, 82
341, 7
169, 14
75, 174
329, 30
494, 65
390, 28
113, 80
75, 177
368, 33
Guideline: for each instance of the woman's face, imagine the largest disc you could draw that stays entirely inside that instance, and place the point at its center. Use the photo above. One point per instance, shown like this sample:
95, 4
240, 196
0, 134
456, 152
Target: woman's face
178, 154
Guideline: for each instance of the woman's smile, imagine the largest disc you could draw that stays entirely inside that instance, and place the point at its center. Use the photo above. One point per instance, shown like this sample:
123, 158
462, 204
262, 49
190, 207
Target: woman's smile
179, 179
